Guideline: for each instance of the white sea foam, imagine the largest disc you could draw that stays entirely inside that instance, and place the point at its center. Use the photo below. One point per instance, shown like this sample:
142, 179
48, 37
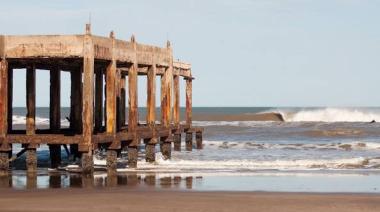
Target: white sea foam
348, 146
246, 165
39, 120
331, 115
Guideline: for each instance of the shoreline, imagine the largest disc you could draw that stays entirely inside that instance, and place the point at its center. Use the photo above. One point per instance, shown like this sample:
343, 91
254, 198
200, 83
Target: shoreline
117, 199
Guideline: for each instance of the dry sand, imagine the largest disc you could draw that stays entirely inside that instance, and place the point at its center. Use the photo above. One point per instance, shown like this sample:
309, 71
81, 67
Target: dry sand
108, 200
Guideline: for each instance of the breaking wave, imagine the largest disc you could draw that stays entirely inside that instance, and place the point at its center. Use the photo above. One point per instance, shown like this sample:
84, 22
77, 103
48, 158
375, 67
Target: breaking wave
331, 115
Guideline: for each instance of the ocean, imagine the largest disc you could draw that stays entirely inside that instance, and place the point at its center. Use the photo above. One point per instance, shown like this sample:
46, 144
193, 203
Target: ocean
321, 144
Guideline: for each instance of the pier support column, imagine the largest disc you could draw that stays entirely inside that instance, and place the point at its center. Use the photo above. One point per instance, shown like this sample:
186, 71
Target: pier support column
133, 110
55, 115
177, 141
111, 161
99, 100
4, 163
5, 147
132, 156
31, 155
166, 149
86, 144
189, 141
76, 108
199, 139
150, 152
176, 114
31, 160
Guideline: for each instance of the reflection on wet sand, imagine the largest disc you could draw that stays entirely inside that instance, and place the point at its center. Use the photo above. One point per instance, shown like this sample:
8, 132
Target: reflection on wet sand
68, 180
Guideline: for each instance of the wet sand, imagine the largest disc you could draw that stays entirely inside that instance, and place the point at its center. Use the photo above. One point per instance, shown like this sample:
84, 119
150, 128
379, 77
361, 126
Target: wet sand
145, 200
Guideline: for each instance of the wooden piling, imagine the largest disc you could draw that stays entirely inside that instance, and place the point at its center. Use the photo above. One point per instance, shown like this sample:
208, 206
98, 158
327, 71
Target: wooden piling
31, 155
189, 101
88, 96
5, 147
111, 94
199, 139
76, 107
98, 100
31, 100
189, 141
176, 115
150, 152
133, 110
55, 115
10, 99
151, 96
122, 99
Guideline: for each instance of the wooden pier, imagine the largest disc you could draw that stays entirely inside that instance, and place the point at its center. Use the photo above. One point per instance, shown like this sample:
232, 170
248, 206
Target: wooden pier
92, 60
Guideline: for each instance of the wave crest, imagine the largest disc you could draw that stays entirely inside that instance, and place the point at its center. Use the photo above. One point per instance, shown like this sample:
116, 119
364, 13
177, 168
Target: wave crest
331, 115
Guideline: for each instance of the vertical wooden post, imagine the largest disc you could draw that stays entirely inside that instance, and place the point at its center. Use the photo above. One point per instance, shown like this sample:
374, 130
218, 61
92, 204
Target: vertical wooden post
5, 147
55, 115
88, 102
118, 100
166, 95
199, 139
30, 99
76, 107
10, 98
133, 109
151, 113
189, 101
176, 114
31, 156
111, 108
189, 134
111, 93
10, 105
151, 96
99, 100
122, 99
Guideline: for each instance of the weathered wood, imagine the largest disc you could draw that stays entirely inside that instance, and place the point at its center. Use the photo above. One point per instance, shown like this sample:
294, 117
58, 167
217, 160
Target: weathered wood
44, 139
31, 160
199, 139
76, 100
55, 115
132, 103
189, 141
88, 93
4, 105
132, 156
150, 152
31, 100
55, 99
151, 96
176, 101
10, 99
76, 108
4, 163
122, 100
98, 100
111, 161
177, 141
189, 101
111, 93
166, 149
119, 124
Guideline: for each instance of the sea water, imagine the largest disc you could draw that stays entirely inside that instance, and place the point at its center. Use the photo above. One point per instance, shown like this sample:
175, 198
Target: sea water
312, 149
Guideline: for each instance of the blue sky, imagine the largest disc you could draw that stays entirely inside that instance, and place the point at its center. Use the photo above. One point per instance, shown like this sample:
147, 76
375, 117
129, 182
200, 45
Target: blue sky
244, 52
